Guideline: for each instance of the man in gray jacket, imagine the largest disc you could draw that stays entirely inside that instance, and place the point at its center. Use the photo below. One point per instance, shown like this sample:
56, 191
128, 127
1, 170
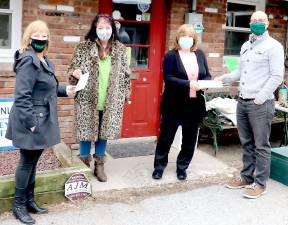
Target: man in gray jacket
260, 72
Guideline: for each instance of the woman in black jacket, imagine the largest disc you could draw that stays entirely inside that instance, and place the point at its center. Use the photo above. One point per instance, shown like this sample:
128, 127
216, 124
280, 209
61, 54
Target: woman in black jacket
33, 121
183, 103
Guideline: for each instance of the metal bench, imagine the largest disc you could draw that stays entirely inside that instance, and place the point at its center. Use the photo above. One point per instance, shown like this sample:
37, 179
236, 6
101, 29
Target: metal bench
215, 123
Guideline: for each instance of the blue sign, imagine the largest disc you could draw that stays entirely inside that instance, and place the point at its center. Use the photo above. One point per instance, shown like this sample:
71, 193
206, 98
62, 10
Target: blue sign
5, 108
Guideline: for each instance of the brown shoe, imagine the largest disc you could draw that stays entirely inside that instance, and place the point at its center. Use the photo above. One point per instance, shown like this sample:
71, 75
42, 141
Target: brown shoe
99, 168
254, 191
86, 160
237, 183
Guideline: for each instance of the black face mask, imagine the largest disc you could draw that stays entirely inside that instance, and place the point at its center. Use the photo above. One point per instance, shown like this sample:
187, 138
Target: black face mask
39, 45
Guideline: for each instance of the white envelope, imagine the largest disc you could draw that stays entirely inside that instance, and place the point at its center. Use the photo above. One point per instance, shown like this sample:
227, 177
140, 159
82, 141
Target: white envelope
82, 82
210, 84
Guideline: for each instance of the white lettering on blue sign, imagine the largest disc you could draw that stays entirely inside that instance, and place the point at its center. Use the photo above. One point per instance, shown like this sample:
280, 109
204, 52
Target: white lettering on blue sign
5, 109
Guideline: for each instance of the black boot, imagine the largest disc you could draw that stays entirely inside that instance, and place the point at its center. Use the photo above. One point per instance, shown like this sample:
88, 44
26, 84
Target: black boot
181, 174
31, 204
19, 207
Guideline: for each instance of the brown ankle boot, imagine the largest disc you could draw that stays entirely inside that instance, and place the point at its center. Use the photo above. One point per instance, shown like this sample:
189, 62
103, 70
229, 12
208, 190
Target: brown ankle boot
99, 168
86, 160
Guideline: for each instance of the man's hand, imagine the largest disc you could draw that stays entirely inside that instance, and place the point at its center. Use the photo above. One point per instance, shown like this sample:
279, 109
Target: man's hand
70, 90
219, 78
194, 85
257, 102
77, 73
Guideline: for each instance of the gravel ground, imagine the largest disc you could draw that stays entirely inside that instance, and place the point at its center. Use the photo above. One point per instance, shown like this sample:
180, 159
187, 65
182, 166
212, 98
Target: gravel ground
9, 160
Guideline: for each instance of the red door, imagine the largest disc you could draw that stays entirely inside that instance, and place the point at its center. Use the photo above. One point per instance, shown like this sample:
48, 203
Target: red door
143, 28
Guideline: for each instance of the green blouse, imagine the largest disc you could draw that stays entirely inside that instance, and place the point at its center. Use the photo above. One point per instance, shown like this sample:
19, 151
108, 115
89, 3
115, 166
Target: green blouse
104, 73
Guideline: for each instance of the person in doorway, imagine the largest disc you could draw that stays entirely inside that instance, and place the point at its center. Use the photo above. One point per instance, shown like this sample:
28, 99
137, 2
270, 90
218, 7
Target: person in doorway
183, 103
33, 121
99, 106
260, 72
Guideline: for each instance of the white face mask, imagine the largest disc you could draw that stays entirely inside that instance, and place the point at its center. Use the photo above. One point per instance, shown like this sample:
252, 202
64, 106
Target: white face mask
104, 34
186, 42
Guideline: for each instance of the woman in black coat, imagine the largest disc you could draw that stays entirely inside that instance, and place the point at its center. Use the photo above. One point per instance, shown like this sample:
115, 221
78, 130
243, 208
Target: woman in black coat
33, 121
183, 103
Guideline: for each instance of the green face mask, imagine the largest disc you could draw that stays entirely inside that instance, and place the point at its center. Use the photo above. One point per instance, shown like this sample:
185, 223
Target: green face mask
257, 28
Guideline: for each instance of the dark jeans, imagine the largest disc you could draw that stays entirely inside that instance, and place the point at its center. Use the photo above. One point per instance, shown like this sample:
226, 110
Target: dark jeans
169, 126
26, 169
254, 127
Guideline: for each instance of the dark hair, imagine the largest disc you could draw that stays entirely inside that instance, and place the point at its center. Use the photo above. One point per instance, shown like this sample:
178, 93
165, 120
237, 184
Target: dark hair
92, 35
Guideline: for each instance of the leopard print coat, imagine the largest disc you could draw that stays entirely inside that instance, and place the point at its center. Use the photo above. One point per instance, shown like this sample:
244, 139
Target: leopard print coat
86, 116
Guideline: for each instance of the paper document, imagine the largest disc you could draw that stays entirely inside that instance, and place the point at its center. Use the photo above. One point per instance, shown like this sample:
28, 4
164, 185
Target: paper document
210, 84
82, 82
231, 116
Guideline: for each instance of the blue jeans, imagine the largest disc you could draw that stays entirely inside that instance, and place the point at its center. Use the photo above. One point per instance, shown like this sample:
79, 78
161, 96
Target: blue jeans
100, 148
254, 128
100, 144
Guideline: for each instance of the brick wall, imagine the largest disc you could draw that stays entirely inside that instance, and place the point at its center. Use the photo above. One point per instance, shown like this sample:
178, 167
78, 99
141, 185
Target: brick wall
61, 23
278, 26
213, 37
277, 11
76, 23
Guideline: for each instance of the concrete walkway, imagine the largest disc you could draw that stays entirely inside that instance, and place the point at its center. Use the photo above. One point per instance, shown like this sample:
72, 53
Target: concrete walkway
132, 197
129, 177
132, 176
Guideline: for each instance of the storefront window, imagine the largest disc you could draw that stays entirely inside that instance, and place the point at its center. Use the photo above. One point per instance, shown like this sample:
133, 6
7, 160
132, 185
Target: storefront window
237, 23
5, 24
10, 28
4, 4
5, 30
137, 33
133, 22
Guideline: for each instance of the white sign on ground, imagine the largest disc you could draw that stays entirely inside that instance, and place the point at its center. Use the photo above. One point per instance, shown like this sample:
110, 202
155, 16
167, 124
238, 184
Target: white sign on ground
5, 108
77, 187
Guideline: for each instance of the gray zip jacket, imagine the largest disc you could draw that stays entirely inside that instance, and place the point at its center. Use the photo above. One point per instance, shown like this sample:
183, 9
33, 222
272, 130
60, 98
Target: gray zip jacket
261, 68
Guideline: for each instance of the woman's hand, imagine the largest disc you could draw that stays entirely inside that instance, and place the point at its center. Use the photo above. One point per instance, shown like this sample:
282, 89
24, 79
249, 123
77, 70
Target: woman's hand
70, 90
77, 73
194, 85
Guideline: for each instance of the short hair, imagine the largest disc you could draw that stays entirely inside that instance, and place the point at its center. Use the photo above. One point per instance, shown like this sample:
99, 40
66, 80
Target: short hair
186, 30
33, 27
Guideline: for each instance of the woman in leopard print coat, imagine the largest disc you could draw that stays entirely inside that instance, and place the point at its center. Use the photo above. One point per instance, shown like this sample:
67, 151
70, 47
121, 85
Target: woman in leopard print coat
98, 118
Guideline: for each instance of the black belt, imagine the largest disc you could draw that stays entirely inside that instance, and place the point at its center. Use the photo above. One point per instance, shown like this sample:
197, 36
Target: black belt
247, 99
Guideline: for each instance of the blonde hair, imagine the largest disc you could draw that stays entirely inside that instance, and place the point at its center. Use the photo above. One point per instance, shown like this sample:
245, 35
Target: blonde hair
33, 27
186, 30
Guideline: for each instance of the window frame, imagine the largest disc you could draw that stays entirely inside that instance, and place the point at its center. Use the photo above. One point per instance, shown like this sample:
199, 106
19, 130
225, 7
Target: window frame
259, 5
16, 6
